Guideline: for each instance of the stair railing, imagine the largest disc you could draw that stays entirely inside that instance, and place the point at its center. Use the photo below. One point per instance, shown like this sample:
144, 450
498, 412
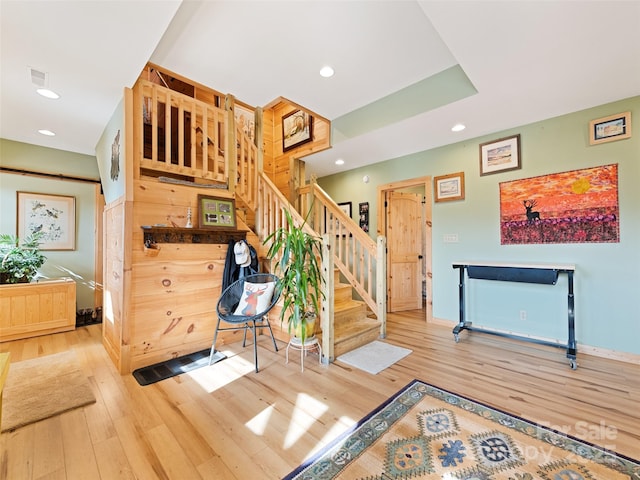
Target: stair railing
361, 260
270, 216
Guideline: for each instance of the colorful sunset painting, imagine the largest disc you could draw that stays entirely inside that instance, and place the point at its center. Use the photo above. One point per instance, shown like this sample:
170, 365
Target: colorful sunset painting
580, 206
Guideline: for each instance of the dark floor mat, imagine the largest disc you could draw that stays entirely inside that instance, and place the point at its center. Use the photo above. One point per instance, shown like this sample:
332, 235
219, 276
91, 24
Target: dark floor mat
171, 368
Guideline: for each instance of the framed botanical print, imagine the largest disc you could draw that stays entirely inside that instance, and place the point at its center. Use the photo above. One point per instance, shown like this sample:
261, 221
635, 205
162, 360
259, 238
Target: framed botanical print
53, 216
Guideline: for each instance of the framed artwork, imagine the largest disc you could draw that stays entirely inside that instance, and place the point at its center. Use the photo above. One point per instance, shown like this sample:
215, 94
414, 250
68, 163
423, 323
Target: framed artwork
500, 155
331, 222
610, 129
346, 208
214, 212
52, 215
363, 212
245, 119
579, 206
449, 187
297, 129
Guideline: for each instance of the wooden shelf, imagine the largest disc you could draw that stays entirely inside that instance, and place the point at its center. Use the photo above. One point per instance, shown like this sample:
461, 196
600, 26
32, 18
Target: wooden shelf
154, 235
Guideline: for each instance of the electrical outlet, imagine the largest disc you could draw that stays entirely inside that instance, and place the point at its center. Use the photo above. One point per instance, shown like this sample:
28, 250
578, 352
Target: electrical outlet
523, 315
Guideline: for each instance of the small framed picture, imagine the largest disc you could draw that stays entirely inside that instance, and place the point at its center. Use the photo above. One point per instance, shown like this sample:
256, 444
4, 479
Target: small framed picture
363, 212
53, 216
610, 129
214, 212
500, 155
297, 129
449, 187
346, 208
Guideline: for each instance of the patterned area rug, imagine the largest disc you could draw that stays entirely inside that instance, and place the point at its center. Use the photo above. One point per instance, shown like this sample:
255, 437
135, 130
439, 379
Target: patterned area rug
426, 432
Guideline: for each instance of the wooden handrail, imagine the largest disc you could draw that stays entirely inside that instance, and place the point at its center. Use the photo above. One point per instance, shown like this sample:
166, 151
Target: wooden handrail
361, 260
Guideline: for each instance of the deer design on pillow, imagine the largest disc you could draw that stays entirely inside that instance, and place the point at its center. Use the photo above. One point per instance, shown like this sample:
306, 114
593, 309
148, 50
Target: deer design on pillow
252, 300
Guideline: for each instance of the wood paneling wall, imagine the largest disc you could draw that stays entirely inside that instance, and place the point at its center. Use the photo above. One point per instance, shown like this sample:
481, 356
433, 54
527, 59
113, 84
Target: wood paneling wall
289, 167
159, 305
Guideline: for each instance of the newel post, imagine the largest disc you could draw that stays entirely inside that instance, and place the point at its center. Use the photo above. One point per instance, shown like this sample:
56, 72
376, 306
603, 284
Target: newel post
381, 283
326, 317
231, 149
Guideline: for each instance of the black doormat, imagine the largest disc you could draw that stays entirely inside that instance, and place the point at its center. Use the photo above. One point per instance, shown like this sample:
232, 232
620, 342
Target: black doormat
171, 368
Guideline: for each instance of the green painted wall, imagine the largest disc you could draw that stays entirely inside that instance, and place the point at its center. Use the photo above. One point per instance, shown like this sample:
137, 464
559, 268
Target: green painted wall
607, 281
78, 263
110, 154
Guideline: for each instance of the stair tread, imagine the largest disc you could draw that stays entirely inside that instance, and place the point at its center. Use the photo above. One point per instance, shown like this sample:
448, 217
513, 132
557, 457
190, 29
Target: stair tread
347, 304
351, 329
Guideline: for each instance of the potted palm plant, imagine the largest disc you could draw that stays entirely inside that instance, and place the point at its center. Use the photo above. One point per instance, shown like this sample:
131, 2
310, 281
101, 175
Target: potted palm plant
19, 261
298, 257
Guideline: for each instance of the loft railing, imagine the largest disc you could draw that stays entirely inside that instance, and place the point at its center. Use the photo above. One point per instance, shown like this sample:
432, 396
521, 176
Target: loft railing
178, 135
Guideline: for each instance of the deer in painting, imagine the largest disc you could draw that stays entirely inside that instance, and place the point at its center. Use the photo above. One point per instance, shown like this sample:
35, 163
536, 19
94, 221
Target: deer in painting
252, 300
531, 215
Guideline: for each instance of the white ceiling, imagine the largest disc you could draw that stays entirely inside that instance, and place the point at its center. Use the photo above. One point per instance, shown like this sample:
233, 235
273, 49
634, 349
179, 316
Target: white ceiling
528, 61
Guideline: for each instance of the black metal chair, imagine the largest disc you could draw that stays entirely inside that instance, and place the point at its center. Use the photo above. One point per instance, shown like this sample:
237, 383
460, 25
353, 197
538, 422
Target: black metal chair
250, 315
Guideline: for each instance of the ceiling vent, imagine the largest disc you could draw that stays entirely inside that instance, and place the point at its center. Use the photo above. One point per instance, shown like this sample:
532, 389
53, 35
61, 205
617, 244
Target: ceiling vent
38, 78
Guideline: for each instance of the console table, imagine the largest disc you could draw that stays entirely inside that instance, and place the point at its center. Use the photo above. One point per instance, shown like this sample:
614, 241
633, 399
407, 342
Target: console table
546, 274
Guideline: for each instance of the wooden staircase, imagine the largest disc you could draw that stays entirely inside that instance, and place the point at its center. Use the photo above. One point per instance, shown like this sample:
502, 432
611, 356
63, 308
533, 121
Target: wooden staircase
352, 325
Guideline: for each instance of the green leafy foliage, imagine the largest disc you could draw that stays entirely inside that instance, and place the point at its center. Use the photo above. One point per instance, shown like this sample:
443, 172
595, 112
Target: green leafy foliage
299, 257
20, 260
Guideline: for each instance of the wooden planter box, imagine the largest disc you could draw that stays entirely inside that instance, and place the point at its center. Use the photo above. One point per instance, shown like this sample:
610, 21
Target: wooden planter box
32, 309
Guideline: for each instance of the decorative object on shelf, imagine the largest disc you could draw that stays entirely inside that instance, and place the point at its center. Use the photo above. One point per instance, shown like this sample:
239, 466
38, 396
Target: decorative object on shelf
20, 261
297, 129
579, 206
54, 216
216, 212
189, 224
610, 129
298, 257
449, 187
363, 211
500, 155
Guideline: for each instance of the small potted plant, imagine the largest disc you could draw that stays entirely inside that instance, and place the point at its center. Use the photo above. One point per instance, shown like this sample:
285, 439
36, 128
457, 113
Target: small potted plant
298, 257
19, 261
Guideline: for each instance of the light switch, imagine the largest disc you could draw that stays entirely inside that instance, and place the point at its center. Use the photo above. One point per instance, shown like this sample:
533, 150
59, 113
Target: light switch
451, 238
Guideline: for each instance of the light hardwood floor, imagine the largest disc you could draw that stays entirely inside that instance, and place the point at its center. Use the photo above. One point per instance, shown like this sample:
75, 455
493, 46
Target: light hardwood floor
227, 422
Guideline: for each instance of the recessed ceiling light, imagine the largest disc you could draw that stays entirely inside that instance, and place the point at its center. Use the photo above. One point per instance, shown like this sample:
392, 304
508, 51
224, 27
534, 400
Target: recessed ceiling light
339, 162
458, 127
326, 71
48, 133
45, 92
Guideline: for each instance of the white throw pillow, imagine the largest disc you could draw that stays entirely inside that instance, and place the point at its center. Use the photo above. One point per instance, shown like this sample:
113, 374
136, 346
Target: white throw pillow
255, 298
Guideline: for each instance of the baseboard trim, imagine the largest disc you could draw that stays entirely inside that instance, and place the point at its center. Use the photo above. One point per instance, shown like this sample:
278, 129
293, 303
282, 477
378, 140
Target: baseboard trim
625, 357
